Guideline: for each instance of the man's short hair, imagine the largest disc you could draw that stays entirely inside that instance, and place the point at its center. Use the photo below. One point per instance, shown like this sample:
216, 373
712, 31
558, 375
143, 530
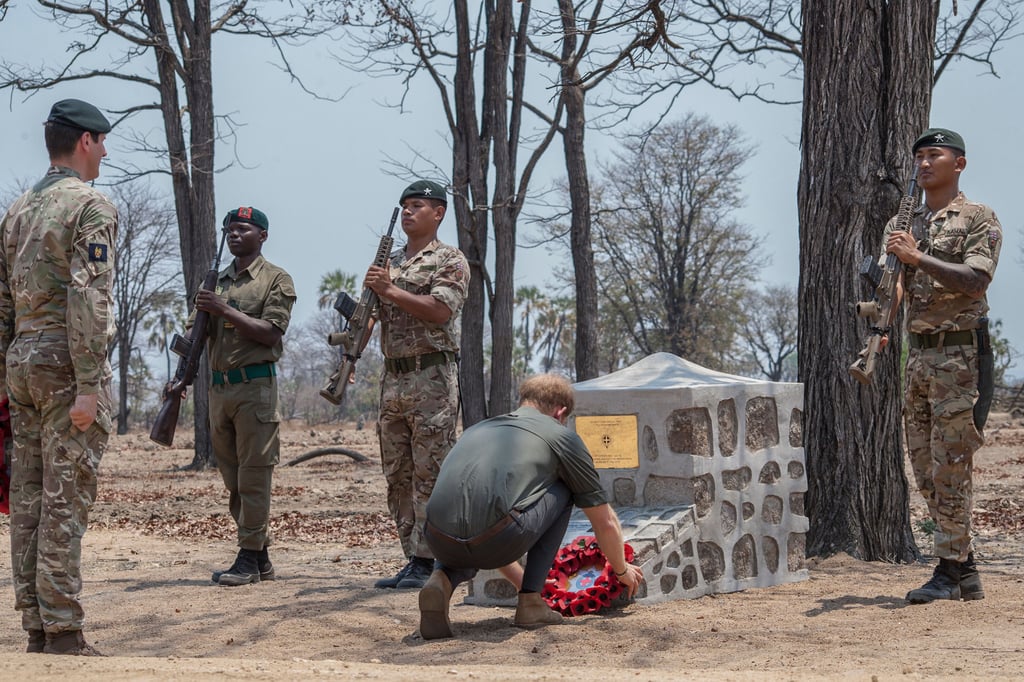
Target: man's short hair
61, 139
548, 392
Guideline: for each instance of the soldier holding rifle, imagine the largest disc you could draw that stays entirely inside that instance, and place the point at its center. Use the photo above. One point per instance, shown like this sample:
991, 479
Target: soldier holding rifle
250, 311
421, 293
949, 259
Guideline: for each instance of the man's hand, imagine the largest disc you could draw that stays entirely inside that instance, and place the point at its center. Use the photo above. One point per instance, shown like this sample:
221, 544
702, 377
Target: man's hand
378, 280
83, 412
632, 579
903, 245
211, 303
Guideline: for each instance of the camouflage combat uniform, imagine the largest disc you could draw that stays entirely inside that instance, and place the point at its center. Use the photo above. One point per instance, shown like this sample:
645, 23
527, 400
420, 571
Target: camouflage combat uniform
56, 321
942, 377
244, 417
419, 404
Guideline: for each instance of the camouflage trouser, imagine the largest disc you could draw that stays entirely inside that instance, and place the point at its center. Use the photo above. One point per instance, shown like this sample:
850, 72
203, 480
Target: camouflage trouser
418, 411
942, 387
53, 483
245, 430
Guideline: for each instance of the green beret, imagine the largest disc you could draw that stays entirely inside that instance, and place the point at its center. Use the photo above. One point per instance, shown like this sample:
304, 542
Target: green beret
940, 137
247, 214
426, 189
79, 114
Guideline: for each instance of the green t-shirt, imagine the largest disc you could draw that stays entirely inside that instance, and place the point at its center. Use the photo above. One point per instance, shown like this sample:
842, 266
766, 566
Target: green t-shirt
508, 462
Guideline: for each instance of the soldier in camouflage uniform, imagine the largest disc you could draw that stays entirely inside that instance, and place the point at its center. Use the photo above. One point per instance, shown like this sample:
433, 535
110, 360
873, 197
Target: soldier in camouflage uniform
56, 321
421, 294
249, 314
949, 260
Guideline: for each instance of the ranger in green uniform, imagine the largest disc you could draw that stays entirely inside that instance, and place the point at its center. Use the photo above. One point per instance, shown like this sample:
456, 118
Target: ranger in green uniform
56, 321
249, 312
421, 294
950, 257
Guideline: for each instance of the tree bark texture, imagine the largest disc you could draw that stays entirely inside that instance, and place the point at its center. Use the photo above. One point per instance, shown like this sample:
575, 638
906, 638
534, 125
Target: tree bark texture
191, 165
586, 346
470, 160
867, 94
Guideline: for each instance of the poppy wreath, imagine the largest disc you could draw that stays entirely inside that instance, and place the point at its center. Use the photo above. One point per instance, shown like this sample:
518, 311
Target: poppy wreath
581, 580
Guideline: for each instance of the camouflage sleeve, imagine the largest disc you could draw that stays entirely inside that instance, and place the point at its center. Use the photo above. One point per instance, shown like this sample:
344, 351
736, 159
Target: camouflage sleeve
277, 309
6, 309
984, 239
90, 302
451, 282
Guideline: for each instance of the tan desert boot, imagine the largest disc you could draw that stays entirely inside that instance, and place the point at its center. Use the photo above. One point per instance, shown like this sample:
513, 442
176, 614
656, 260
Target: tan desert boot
434, 597
532, 611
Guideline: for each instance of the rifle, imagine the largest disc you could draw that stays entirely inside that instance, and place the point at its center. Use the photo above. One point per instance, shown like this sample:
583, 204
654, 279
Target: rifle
190, 351
356, 331
880, 311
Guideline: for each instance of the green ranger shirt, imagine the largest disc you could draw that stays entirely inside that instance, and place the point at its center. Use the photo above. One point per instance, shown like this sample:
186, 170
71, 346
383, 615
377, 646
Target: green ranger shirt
57, 273
262, 291
505, 463
962, 232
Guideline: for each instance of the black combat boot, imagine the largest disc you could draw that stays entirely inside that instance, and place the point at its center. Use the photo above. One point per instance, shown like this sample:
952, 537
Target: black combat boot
245, 570
392, 582
418, 575
970, 581
263, 561
266, 568
944, 584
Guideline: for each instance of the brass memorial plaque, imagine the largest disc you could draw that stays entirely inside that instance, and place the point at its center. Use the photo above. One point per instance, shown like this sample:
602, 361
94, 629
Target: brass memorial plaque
611, 439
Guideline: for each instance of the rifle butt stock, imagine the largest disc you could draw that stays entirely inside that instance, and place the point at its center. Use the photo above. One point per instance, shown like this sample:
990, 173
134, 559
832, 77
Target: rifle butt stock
166, 422
334, 390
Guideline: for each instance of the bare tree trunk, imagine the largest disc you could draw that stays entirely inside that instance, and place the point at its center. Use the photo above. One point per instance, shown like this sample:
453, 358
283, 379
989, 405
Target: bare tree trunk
191, 178
470, 160
579, 196
504, 207
867, 93
124, 357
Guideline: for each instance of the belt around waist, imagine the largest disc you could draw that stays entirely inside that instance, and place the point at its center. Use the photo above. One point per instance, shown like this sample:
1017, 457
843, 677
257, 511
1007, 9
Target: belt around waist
414, 363
501, 525
244, 374
964, 337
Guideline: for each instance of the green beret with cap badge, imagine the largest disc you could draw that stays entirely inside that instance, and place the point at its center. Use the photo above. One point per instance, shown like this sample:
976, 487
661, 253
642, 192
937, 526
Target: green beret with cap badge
426, 189
78, 114
940, 137
247, 214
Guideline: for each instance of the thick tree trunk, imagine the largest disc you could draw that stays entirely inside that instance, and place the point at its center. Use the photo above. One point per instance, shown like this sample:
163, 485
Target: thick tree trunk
191, 178
867, 93
586, 349
470, 159
504, 207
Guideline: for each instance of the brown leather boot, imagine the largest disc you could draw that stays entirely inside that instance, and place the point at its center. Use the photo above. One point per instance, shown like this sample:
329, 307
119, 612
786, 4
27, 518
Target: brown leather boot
533, 611
434, 598
69, 643
36, 642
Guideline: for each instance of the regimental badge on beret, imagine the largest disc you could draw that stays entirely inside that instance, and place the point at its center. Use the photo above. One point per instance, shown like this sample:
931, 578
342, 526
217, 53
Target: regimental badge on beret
97, 253
248, 214
428, 189
940, 137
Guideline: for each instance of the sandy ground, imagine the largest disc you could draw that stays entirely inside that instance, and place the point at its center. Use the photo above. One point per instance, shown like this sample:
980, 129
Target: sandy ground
157, 532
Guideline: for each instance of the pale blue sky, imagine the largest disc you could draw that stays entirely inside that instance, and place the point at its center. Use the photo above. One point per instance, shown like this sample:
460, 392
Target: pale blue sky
318, 169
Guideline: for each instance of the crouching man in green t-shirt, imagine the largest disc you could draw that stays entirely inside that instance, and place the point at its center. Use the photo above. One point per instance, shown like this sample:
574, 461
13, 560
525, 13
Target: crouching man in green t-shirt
506, 490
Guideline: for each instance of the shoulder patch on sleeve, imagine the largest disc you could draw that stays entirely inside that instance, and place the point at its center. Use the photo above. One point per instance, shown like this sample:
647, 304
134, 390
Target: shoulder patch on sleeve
97, 253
